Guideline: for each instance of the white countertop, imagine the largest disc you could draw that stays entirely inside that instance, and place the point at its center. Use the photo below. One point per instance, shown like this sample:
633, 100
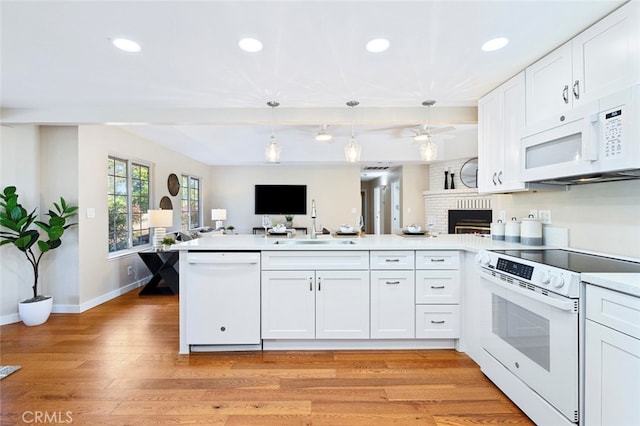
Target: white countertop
625, 282
467, 242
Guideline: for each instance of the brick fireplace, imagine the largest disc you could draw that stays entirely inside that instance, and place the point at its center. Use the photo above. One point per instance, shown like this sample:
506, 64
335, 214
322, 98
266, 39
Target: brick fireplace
471, 212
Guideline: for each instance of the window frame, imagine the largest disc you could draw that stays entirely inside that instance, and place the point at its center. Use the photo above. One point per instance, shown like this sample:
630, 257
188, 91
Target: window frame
187, 213
131, 163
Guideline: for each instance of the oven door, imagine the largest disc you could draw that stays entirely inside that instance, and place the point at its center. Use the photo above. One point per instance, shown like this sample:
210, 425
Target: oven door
536, 338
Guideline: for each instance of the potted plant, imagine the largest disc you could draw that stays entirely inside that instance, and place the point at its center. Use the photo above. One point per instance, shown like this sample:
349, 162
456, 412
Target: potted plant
17, 229
230, 228
167, 242
288, 221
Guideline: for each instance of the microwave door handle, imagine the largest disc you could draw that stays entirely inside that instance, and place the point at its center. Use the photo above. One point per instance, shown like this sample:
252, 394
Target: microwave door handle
591, 135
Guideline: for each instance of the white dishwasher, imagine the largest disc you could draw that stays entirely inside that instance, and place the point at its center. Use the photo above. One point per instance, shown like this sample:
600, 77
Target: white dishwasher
222, 299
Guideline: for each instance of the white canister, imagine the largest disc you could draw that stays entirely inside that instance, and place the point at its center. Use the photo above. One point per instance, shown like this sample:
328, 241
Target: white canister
512, 231
497, 231
531, 231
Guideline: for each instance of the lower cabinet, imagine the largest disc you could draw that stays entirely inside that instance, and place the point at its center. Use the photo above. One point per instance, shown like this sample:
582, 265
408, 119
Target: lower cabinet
392, 301
612, 359
437, 309
315, 304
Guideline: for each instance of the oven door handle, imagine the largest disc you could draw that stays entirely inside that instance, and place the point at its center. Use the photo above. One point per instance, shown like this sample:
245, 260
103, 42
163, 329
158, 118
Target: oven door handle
556, 303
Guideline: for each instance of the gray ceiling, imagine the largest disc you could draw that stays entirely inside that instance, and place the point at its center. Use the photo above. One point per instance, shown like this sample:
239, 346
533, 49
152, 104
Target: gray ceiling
193, 90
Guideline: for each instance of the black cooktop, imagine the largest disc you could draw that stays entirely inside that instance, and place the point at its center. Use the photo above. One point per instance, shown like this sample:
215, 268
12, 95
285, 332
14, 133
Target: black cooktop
573, 261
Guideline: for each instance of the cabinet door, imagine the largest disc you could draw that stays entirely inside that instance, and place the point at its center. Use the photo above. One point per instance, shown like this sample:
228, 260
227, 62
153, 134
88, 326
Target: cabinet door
612, 377
288, 304
392, 304
342, 305
513, 105
606, 57
489, 141
548, 86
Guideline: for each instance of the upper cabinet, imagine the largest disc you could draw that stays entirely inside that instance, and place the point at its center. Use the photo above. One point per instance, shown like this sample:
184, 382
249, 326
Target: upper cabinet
600, 61
500, 123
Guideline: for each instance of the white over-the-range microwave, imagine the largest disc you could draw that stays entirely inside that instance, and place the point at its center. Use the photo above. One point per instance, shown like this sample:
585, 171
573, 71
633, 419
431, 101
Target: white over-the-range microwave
597, 142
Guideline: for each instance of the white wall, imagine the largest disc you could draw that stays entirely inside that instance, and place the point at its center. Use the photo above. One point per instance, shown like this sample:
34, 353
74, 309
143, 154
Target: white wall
601, 217
20, 167
101, 276
415, 180
336, 190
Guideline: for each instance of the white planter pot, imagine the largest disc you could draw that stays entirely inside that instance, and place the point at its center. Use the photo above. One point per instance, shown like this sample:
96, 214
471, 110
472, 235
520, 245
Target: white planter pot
35, 313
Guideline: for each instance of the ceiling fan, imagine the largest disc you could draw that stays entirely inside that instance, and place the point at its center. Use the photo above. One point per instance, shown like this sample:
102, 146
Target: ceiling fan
421, 132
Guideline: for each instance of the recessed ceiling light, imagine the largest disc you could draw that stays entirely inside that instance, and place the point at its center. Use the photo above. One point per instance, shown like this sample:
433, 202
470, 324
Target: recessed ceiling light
251, 45
126, 45
495, 44
377, 45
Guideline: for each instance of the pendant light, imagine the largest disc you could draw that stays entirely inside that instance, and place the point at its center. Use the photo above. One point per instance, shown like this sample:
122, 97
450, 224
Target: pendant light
272, 150
428, 149
353, 149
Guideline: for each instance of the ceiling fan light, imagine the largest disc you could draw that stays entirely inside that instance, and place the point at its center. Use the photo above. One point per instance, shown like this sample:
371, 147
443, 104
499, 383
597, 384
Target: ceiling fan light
272, 151
352, 151
421, 137
127, 45
428, 151
323, 136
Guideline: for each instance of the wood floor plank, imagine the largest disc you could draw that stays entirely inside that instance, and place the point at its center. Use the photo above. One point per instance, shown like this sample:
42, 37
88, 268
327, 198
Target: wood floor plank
117, 364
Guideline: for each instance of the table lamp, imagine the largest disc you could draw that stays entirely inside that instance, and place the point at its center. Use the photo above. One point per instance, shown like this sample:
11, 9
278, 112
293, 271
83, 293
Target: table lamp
219, 215
159, 220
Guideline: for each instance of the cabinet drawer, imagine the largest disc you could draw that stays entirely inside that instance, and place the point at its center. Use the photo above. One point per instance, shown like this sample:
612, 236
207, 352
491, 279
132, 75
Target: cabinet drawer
404, 259
438, 286
437, 260
438, 321
616, 310
315, 260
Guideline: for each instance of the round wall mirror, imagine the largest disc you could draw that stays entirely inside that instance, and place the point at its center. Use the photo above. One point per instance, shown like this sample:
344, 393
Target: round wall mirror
469, 173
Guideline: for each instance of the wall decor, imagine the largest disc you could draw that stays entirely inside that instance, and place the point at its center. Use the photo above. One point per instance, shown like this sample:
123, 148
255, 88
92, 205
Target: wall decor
165, 203
469, 173
173, 183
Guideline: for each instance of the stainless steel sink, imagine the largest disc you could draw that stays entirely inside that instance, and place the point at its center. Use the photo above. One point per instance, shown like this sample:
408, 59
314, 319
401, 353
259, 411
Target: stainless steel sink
314, 242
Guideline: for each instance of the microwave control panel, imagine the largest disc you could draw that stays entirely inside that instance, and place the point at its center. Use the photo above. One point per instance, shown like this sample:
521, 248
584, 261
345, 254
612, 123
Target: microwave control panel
612, 133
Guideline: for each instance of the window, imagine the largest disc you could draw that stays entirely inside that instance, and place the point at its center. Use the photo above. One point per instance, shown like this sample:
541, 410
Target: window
128, 202
190, 202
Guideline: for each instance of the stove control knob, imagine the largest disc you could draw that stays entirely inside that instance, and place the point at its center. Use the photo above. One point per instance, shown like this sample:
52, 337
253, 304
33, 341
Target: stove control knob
557, 281
545, 277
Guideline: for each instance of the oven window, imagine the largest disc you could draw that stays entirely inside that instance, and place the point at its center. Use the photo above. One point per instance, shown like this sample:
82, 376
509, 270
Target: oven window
524, 330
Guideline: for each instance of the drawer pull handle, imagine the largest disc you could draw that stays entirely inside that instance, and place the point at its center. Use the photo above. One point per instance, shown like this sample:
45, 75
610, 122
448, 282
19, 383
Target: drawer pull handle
437, 287
438, 260
319, 284
392, 260
393, 282
310, 284
437, 322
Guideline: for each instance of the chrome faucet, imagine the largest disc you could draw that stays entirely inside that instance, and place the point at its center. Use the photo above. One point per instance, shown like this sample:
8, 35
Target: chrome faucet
314, 233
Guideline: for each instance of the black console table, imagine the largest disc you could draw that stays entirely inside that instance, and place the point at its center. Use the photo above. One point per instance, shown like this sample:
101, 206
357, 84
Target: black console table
165, 278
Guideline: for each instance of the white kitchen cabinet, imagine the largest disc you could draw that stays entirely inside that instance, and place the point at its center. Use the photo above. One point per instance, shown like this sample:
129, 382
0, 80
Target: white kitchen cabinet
603, 59
612, 358
437, 294
222, 298
392, 303
321, 303
500, 124
438, 287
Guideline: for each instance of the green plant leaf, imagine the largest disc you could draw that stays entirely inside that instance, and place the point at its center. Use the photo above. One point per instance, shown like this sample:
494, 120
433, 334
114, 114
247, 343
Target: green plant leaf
43, 246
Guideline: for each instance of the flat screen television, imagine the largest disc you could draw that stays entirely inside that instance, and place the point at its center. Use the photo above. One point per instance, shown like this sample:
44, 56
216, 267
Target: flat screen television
281, 199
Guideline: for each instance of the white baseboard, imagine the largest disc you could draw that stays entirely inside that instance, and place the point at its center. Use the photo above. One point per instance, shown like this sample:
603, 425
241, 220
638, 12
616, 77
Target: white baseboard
77, 309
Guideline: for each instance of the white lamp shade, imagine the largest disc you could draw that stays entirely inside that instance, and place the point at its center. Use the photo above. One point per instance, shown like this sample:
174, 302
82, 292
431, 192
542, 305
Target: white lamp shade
160, 218
218, 214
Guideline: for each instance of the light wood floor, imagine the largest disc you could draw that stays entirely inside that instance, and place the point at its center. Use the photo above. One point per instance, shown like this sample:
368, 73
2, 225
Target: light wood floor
117, 364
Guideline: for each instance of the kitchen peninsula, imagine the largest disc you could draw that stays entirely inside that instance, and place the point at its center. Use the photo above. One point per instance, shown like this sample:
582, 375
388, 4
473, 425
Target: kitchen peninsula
377, 291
